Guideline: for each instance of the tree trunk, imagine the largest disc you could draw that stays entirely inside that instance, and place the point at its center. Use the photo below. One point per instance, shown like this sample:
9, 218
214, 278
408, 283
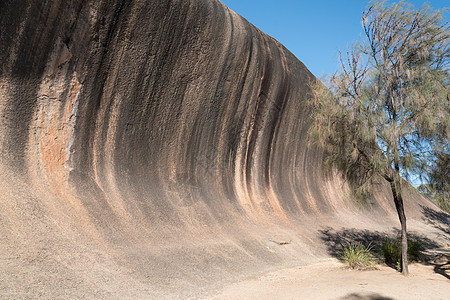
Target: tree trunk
398, 200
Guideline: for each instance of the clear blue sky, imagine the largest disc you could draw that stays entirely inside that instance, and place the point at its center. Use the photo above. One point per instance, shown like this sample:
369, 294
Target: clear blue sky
313, 30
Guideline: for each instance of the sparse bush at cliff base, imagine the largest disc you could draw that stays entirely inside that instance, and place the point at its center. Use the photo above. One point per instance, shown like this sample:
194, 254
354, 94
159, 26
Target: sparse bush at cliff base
358, 256
392, 250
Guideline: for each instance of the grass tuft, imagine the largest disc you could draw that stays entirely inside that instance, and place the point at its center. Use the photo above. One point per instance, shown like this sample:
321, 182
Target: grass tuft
358, 256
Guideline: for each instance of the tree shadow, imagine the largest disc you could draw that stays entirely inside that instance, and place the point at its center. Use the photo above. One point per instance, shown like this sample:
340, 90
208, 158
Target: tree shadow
441, 221
442, 269
356, 296
438, 219
337, 240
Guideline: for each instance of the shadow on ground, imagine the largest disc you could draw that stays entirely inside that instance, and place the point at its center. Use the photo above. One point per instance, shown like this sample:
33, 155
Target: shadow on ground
356, 296
441, 221
337, 240
442, 269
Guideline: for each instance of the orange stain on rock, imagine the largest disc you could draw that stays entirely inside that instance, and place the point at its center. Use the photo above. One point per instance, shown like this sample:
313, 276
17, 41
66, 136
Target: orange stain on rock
55, 134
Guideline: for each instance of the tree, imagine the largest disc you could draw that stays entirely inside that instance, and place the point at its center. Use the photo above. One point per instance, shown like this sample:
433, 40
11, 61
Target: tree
385, 112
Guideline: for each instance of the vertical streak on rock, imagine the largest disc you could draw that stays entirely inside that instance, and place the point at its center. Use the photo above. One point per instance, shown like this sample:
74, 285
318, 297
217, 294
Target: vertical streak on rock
54, 132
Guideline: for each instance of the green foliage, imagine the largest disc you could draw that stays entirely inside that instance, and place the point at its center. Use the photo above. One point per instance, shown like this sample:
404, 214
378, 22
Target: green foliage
441, 199
386, 111
358, 256
392, 251
415, 249
443, 202
438, 187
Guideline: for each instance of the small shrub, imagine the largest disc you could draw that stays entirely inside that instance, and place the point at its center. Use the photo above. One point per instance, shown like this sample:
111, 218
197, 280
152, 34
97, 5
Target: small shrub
358, 256
414, 251
392, 251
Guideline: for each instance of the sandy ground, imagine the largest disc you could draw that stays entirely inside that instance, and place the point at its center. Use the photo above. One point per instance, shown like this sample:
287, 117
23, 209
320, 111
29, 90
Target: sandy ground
330, 279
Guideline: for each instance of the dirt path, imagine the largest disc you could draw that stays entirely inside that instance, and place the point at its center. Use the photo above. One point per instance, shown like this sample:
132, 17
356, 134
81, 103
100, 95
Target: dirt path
329, 279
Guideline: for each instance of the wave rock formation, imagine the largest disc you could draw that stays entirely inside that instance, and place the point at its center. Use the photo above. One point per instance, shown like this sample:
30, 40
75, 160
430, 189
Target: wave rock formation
154, 149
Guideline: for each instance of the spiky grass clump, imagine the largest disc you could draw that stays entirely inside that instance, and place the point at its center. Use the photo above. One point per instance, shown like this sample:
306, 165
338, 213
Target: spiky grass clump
358, 256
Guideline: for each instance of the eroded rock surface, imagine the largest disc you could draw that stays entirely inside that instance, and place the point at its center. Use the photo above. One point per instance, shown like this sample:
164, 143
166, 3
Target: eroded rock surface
154, 149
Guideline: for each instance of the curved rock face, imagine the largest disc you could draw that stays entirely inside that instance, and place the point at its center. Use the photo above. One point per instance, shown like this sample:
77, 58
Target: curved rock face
153, 148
